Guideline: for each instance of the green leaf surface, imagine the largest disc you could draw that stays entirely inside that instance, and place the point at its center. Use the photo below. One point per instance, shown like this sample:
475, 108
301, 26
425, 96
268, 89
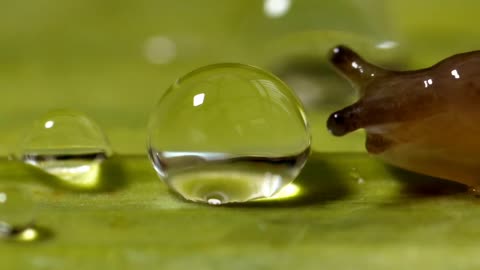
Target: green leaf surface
351, 211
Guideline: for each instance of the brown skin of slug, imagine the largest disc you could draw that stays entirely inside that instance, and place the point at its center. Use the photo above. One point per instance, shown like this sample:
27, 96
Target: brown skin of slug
427, 121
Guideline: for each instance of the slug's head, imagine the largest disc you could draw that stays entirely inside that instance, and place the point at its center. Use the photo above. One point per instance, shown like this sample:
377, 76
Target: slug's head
360, 73
422, 120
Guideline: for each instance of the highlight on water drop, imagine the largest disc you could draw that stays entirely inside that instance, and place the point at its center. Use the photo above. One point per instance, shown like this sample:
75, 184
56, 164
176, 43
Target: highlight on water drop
68, 145
228, 133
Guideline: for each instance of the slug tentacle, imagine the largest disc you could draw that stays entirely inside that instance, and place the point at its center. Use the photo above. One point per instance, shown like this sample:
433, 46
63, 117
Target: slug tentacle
353, 67
367, 113
346, 120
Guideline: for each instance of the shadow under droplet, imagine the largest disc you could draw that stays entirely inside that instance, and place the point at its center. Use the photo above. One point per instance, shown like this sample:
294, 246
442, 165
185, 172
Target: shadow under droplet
318, 183
110, 177
423, 186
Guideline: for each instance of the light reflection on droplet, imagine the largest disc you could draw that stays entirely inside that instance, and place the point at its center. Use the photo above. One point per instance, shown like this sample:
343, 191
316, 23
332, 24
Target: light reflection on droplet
160, 50
271, 183
276, 8
198, 99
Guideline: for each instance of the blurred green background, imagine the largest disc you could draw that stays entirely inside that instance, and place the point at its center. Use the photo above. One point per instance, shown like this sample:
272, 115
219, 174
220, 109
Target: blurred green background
113, 59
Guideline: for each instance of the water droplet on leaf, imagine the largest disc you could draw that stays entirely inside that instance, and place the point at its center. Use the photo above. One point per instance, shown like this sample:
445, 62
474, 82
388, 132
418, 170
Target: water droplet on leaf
228, 129
18, 208
67, 145
24, 233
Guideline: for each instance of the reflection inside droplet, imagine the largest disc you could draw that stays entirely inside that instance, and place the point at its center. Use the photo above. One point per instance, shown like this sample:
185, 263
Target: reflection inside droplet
81, 170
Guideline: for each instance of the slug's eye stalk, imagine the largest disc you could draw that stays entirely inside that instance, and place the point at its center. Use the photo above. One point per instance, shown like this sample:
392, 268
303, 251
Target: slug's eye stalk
346, 120
342, 57
352, 66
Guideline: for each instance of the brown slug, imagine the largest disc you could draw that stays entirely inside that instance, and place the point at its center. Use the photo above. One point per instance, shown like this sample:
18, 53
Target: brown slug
426, 121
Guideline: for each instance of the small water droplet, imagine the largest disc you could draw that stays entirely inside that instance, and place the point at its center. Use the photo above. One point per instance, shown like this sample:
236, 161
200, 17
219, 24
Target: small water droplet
17, 207
237, 131
67, 145
25, 233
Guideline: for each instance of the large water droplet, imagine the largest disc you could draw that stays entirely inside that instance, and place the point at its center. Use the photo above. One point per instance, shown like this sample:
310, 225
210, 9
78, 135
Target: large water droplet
228, 133
67, 145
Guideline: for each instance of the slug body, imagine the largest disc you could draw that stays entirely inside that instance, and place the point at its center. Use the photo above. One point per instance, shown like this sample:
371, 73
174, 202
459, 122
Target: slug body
427, 121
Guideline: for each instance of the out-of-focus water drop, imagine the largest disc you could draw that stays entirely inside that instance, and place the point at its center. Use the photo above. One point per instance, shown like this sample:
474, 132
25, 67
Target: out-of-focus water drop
160, 50
3, 197
276, 8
